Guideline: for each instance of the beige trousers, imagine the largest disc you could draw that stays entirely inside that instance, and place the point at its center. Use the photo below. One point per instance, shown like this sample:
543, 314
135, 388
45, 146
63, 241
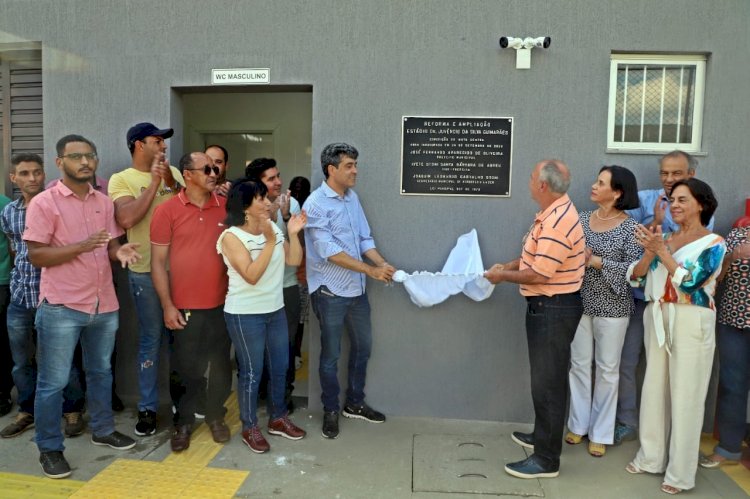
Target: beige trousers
674, 393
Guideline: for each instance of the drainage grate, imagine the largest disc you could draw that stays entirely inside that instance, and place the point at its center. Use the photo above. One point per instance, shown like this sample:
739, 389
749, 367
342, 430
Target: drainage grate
462, 464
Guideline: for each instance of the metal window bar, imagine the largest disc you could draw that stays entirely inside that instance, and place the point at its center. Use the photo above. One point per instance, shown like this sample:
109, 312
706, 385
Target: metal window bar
643, 100
679, 105
624, 104
661, 104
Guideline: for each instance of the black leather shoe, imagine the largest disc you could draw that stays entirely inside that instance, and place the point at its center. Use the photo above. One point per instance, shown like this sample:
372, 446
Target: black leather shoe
523, 439
532, 467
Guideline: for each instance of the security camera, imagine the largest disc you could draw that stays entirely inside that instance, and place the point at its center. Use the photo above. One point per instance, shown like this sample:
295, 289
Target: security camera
509, 41
541, 42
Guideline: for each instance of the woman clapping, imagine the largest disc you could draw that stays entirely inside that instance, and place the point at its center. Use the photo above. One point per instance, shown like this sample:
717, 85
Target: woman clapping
678, 271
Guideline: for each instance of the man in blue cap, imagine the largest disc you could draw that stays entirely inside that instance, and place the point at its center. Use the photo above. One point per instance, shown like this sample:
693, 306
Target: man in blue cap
136, 192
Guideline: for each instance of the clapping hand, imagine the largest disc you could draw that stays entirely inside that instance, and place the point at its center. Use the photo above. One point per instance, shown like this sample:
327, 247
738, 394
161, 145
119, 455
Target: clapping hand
650, 240
127, 254
296, 223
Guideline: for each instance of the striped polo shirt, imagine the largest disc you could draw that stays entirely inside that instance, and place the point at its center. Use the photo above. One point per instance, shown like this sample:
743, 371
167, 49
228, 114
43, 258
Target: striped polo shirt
554, 248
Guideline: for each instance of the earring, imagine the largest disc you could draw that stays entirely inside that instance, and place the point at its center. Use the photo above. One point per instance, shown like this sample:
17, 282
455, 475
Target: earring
247, 218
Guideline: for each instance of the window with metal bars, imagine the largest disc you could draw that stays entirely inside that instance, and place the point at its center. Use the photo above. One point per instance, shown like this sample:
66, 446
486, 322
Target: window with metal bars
655, 102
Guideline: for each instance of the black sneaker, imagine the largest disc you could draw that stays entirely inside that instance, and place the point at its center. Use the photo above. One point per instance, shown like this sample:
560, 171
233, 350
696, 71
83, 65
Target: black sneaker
331, 424
363, 411
115, 440
146, 424
523, 439
54, 464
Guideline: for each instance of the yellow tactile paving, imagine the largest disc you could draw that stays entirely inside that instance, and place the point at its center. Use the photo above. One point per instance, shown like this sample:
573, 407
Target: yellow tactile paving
14, 485
737, 472
181, 475
126, 478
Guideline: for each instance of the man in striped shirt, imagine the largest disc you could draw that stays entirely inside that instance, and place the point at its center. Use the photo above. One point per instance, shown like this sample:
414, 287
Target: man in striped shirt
550, 273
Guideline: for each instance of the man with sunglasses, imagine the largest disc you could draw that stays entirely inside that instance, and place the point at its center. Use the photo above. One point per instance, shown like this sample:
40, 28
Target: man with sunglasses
191, 280
136, 192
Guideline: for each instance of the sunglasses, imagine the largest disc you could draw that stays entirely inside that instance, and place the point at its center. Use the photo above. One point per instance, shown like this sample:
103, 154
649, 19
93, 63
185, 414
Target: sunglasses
207, 170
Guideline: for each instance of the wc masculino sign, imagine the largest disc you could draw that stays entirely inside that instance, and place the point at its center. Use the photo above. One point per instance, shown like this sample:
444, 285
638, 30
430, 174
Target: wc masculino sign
241, 76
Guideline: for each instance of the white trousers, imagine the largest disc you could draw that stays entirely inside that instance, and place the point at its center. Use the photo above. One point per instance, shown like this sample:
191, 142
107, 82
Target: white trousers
600, 340
674, 393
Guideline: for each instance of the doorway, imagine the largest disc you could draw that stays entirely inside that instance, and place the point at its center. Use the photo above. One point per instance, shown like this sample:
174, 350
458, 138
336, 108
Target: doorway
251, 122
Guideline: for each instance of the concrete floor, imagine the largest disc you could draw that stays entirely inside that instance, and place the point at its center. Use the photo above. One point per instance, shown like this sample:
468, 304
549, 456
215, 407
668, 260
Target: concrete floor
417, 458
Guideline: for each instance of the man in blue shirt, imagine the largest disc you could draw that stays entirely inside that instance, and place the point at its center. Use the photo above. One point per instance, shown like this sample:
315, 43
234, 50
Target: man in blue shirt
337, 239
653, 211
6, 360
27, 174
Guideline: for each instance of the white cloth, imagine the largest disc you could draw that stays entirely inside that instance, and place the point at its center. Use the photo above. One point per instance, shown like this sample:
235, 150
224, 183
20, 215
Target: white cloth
463, 272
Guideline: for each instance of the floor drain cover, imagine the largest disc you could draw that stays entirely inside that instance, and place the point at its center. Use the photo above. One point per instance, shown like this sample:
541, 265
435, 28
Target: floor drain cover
463, 464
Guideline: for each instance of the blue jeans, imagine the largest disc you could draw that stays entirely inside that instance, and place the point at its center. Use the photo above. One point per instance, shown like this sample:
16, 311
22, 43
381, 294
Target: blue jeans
22, 346
734, 369
254, 335
334, 313
6, 358
59, 329
551, 324
151, 332
627, 398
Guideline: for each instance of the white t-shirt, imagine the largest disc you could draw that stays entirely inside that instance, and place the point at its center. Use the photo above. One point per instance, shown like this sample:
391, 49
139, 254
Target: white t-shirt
267, 295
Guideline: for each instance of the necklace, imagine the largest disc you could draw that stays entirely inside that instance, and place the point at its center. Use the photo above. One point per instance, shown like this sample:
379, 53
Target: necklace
605, 219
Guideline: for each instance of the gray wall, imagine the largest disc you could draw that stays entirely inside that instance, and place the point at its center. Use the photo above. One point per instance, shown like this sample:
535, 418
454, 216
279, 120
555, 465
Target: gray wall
109, 64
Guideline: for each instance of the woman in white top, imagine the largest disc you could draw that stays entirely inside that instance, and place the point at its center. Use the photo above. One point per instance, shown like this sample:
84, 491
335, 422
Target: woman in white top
255, 252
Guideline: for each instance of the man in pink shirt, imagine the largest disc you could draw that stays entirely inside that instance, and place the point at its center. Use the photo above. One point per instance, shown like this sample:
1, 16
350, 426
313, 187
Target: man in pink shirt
72, 234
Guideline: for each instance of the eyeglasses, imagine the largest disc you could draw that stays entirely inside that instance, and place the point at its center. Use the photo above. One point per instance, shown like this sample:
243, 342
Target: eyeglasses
77, 156
207, 170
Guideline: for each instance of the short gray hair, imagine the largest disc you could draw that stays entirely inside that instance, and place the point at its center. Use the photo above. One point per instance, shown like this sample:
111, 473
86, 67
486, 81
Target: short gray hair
691, 161
334, 153
554, 177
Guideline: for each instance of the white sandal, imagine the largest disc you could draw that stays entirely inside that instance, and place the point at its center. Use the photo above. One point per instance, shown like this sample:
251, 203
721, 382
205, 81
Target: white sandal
633, 469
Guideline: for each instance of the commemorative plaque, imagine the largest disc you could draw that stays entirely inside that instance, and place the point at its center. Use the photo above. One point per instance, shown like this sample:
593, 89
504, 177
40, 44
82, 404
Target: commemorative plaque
456, 156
